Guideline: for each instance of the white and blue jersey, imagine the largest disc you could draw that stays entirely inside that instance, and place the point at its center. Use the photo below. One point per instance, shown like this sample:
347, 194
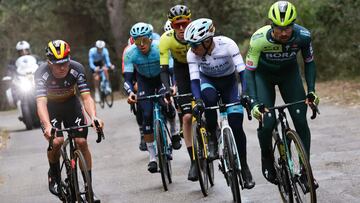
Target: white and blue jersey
95, 57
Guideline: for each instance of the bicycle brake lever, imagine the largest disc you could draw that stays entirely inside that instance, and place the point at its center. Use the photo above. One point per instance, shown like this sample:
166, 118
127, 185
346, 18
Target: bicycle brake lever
99, 131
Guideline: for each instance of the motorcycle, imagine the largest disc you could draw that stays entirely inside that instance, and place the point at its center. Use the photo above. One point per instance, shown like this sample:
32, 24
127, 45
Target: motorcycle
22, 90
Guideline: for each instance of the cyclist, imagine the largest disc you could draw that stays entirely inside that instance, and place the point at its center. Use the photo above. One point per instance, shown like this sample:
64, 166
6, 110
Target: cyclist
213, 64
57, 103
135, 107
99, 62
174, 42
272, 60
144, 57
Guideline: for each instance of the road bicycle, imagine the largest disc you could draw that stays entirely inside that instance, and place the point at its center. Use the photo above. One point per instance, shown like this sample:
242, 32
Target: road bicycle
106, 96
200, 150
229, 161
295, 179
75, 184
161, 136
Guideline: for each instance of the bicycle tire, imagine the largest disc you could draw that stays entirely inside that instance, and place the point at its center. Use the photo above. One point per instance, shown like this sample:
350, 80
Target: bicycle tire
162, 159
102, 99
200, 159
109, 99
67, 192
301, 169
282, 171
168, 162
82, 183
230, 159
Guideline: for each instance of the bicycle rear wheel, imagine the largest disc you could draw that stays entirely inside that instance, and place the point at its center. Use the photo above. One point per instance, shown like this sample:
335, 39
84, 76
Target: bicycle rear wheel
282, 171
231, 162
162, 155
300, 168
109, 99
102, 99
82, 183
200, 159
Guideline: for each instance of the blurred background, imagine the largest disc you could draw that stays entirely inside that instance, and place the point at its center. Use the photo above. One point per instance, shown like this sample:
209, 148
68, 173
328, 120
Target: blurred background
334, 25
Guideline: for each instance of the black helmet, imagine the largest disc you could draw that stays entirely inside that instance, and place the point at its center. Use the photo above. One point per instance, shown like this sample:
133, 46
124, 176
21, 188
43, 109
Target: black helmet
179, 12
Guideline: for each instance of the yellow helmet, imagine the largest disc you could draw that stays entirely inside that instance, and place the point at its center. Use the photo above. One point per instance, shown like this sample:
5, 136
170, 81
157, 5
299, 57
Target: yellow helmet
282, 13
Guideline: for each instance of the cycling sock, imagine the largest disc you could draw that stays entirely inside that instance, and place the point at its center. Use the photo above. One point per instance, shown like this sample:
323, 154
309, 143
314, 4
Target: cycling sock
172, 126
151, 149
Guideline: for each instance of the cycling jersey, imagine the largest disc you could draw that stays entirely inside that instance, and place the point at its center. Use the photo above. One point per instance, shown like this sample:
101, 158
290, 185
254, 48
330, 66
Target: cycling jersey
178, 49
224, 59
155, 36
265, 50
147, 65
94, 56
60, 90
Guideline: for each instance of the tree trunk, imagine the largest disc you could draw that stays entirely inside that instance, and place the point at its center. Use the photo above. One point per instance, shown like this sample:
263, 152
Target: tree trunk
118, 22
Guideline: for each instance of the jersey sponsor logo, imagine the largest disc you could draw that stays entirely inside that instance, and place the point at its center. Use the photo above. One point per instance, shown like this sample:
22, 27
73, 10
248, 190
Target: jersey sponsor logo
257, 36
280, 55
53, 82
271, 48
66, 83
305, 33
81, 77
45, 76
74, 72
238, 53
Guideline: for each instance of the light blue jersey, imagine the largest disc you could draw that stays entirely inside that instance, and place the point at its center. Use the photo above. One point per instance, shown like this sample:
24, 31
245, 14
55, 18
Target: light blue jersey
94, 57
146, 65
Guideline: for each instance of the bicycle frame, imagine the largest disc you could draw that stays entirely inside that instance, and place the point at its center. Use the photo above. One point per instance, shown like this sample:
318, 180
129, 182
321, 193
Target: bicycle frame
157, 116
202, 131
224, 124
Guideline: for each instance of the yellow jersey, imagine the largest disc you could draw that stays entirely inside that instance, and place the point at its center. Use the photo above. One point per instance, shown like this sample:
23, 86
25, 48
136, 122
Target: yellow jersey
178, 49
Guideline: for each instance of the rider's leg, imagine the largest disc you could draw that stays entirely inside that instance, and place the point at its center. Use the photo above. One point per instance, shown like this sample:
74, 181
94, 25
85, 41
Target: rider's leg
266, 95
96, 78
210, 97
292, 90
148, 134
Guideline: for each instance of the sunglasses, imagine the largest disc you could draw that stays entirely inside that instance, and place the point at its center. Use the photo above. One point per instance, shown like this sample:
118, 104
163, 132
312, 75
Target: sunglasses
179, 25
283, 28
141, 41
196, 45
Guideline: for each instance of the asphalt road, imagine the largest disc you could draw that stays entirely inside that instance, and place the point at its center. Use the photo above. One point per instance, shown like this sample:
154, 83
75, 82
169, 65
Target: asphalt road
120, 169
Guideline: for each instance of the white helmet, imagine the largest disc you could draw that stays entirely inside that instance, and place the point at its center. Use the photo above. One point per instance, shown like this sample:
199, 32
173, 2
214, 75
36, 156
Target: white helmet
151, 27
100, 44
21, 45
199, 30
167, 26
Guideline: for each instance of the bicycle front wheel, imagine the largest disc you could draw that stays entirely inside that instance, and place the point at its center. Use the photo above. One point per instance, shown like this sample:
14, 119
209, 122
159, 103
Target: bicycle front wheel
282, 171
301, 173
66, 192
81, 178
231, 161
200, 159
164, 165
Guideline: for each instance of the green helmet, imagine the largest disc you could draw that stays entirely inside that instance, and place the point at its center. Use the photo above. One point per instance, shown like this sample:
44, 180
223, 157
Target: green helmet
282, 13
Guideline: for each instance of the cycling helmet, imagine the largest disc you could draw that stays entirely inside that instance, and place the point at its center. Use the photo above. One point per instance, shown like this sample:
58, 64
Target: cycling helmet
282, 13
58, 51
100, 44
179, 12
199, 30
151, 28
21, 45
167, 26
140, 29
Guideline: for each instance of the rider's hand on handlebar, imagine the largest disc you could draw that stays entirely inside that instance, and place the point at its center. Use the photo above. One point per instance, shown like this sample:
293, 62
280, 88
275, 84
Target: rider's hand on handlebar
97, 69
199, 107
132, 98
101, 123
47, 131
167, 96
256, 113
312, 98
112, 67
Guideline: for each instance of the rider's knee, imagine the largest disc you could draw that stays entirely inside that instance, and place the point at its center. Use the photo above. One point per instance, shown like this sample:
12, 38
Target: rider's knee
81, 143
57, 142
187, 118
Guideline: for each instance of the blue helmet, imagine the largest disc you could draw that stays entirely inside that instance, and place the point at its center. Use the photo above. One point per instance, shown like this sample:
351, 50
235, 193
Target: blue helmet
141, 29
199, 30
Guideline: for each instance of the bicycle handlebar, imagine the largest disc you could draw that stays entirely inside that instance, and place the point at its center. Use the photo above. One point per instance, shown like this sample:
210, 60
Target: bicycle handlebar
99, 131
